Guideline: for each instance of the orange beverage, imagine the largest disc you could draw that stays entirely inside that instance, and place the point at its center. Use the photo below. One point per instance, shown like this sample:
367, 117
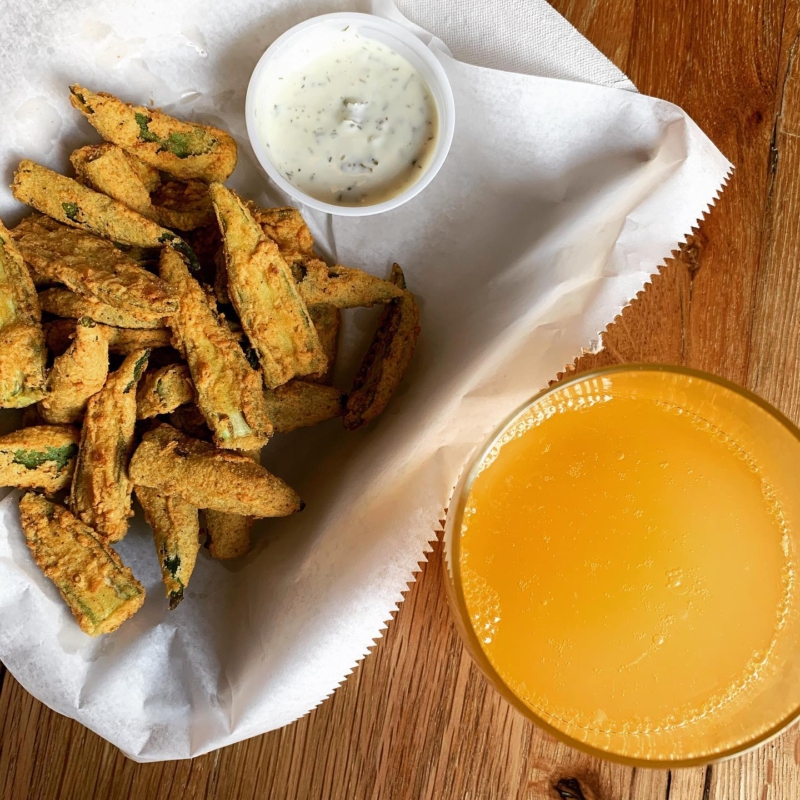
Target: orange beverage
624, 562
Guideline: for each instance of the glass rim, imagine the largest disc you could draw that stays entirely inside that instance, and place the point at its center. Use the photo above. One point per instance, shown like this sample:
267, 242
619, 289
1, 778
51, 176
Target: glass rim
455, 584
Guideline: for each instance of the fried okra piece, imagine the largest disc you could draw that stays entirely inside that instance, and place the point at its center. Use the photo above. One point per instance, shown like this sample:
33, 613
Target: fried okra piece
386, 360
101, 489
110, 170
183, 205
183, 149
287, 228
77, 374
121, 341
343, 287
228, 390
229, 535
222, 480
263, 292
99, 589
72, 203
163, 390
91, 267
64, 303
176, 533
300, 404
328, 321
41, 457
22, 350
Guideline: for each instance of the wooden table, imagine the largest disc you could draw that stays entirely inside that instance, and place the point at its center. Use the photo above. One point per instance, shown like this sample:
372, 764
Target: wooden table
416, 720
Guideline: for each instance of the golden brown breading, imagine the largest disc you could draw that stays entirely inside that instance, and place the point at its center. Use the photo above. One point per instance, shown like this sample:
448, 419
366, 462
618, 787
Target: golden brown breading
41, 457
183, 206
91, 267
263, 292
287, 228
72, 203
300, 404
386, 360
223, 480
184, 149
101, 488
22, 351
176, 533
328, 321
163, 390
228, 389
64, 303
343, 287
122, 341
77, 374
110, 170
99, 589
228, 535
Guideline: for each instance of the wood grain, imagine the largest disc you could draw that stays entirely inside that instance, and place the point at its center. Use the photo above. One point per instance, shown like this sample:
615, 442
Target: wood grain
416, 720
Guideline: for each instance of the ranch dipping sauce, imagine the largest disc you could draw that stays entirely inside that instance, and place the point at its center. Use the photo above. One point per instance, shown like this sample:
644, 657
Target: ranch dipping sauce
354, 125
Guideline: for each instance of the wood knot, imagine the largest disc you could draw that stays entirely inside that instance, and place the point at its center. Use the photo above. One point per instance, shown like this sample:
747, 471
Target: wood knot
569, 789
690, 254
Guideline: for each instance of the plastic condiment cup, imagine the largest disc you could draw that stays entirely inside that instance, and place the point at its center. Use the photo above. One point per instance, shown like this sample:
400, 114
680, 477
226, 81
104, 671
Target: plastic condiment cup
393, 36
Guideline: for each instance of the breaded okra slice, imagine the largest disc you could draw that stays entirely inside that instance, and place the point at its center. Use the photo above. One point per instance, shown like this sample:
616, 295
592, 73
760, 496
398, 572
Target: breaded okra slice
184, 149
22, 350
99, 589
40, 457
229, 535
386, 360
206, 477
300, 404
72, 203
110, 170
265, 296
163, 390
77, 374
287, 228
343, 287
228, 390
91, 267
328, 321
59, 333
176, 534
101, 489
64, 303
183, 205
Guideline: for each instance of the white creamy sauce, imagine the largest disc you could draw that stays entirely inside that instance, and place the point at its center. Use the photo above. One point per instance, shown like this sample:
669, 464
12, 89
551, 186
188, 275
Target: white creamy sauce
354, 125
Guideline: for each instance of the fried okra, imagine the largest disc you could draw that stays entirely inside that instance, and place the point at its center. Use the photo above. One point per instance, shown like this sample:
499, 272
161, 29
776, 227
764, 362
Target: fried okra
176, 534
64, 303
386, 360
222, 480
77, 374
40, 457
99, 589
343, 287
228, 390
163, 390
183, 205
110, 170
265, 296
59, 333
184, 149
300, 404
101, 489
22, 350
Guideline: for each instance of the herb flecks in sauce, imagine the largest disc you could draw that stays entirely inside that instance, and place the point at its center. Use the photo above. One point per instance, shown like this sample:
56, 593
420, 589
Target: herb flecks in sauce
355, 125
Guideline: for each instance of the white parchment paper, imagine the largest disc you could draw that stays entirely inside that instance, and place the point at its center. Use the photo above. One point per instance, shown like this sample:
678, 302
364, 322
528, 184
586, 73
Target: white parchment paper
558, 202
